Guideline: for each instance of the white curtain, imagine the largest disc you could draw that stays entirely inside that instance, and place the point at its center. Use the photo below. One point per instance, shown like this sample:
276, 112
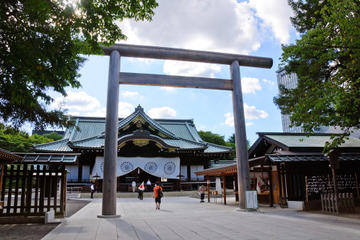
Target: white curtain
157, 166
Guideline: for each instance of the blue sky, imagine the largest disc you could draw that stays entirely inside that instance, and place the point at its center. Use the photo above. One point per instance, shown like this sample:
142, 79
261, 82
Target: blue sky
253, 27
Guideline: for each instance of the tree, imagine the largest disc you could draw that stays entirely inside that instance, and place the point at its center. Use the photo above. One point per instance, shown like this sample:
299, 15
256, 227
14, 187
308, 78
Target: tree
210, 137
40, 43
326, 60
231, 141
19, 141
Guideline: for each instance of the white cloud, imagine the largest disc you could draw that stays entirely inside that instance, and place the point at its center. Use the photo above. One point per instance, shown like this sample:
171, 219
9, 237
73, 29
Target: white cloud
193, 25
129, 94
268, 82
250, 85
168, 89
251, 113
248, 124
223, 26
229, 119
125, 109
82, 104
191, 69
162, 112
276, 15
76, 101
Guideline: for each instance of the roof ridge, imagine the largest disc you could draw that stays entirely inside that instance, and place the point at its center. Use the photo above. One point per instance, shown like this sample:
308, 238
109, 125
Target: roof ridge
140, 111
49, 143
84, 139
188, 128
196, 143
217, 145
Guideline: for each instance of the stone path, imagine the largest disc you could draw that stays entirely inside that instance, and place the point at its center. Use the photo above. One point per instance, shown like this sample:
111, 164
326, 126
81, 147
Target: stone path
186, 218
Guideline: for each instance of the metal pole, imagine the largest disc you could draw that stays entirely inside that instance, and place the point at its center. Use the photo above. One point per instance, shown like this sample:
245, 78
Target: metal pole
111, 136
240, 135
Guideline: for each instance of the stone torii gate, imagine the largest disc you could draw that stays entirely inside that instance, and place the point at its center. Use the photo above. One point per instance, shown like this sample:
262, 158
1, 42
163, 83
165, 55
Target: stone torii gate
116, 77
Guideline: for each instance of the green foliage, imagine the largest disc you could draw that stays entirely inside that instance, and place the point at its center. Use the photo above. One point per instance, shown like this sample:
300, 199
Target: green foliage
19, 141
326, 60
231, 142
210, 137
40, 43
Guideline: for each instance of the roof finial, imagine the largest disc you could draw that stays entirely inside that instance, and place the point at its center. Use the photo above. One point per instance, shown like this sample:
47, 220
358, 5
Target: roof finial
139, 108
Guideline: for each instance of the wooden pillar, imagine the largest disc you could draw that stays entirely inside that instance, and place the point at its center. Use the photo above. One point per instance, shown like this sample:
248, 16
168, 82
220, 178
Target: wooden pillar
224, 188
357, 185
240, 135
271, 187
335, 189
236, 189
111, 136
282, 186
208, 187
1, 175
188, 169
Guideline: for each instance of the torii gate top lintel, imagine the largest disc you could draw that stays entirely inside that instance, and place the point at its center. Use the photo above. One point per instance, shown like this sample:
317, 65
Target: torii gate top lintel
127, 50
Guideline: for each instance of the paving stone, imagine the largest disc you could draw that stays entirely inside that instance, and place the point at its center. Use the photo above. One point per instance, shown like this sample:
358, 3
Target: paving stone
186, 218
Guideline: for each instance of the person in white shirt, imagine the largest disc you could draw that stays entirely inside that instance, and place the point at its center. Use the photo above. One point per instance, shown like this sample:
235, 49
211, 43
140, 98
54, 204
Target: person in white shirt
148, 185
133, 185
92, 189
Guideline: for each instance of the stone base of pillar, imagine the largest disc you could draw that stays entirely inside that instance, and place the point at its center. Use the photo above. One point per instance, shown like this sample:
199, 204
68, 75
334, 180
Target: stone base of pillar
108, 216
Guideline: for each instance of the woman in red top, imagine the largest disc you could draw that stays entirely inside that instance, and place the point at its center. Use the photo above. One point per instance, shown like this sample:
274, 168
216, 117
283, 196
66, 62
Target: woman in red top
157, 195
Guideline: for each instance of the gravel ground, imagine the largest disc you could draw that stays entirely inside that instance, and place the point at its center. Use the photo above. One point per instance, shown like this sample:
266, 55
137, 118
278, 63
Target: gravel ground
36, 231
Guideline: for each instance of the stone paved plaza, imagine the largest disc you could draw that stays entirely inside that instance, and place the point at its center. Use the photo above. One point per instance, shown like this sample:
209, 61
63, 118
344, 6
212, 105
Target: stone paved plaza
186, 218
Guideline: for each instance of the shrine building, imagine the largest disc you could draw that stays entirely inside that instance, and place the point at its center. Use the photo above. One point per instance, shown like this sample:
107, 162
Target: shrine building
170, 150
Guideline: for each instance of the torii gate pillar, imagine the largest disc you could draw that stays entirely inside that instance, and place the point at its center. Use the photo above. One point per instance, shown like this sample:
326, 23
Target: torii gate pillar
111, 136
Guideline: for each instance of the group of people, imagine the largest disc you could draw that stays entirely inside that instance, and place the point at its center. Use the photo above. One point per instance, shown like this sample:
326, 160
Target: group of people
158, 191
158, 194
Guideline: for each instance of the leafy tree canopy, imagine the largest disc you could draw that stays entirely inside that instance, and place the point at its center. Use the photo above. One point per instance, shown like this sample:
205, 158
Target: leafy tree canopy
326, 60
19, 141
210, 137
231, 142
40, 43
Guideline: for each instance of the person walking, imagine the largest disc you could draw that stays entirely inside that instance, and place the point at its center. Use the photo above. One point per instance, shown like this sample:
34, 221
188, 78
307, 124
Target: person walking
158, 194
133, 185
148, 185
92, 190
202, 193
141, 189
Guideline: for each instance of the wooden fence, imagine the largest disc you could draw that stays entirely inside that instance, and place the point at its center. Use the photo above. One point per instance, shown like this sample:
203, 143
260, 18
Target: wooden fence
344, 203
32, 190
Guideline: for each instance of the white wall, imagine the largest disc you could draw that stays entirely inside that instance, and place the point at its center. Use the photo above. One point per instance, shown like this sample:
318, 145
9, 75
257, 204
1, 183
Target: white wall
195, 168
183, 171
72, 172
85, 172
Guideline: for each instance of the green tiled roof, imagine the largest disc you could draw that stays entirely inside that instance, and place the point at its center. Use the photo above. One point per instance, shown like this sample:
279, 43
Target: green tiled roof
50, 158
314, 141
311, 158
88, 132
139, 111
56, 146
213, 148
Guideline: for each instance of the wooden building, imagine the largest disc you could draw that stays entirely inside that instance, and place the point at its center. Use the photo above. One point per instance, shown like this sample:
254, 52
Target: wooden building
6, 157
167, 149
290, 169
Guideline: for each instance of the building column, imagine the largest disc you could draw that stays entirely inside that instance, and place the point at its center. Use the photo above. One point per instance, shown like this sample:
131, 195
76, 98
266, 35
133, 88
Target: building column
224, 188
111, 136
240, 135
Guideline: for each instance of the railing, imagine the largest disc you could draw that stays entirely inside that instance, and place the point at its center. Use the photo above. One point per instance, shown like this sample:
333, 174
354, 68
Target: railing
31, 190
344, 203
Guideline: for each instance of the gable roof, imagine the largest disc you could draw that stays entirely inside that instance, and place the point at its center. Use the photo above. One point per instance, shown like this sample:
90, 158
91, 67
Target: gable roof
296, 142
88, 132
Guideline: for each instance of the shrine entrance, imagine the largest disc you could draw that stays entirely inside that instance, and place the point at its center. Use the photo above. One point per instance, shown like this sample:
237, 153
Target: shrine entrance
116, 77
